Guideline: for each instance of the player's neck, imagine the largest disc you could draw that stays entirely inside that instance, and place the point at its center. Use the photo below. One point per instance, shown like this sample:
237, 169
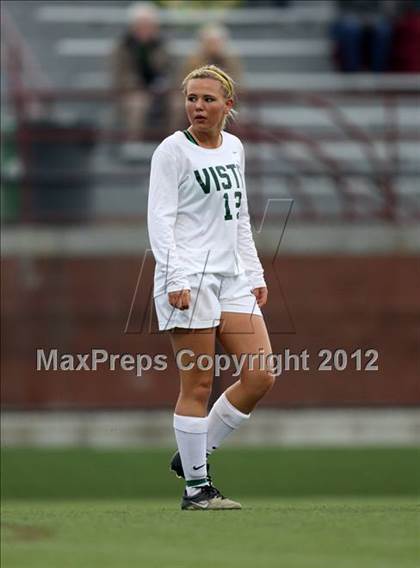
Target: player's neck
207, 139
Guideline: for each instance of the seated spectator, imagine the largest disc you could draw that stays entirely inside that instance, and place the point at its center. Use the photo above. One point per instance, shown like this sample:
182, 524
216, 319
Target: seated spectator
406, 51
362, 34
213, 49
141, 66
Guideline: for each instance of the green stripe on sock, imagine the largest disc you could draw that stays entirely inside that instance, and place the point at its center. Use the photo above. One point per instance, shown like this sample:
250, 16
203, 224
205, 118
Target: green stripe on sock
194, 482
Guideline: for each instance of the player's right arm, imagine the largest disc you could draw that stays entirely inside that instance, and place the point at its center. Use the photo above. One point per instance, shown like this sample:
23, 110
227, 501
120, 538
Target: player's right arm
161, 218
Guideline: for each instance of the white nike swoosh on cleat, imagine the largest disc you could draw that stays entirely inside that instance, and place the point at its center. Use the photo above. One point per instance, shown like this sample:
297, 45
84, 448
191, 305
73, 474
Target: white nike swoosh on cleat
201, 504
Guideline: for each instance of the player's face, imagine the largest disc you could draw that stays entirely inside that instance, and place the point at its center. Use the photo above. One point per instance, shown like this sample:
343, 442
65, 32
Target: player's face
205, 104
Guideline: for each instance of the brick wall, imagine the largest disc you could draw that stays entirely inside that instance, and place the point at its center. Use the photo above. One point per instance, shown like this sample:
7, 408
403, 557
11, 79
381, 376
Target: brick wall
315, 302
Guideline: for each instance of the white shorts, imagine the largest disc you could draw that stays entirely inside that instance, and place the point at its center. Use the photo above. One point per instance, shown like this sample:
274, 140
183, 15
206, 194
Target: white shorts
211, 294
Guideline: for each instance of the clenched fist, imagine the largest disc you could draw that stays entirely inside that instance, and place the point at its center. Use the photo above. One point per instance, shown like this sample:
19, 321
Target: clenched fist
180, 299
261, 294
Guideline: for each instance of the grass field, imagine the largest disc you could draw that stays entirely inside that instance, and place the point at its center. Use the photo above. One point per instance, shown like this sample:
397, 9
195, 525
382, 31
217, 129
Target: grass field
303, 508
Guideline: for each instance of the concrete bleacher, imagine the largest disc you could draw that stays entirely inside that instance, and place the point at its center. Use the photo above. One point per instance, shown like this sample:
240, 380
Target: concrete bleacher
282, 49
73, 39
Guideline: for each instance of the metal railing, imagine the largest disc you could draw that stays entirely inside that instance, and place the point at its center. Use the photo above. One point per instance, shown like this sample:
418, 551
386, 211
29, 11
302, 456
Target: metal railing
317, 162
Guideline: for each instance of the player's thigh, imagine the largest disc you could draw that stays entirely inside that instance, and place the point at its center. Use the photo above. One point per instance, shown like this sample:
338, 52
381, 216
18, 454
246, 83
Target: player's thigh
241, 333
194, 351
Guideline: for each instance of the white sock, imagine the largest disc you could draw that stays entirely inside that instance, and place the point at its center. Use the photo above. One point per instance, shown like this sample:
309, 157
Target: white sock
223, 419
191, 437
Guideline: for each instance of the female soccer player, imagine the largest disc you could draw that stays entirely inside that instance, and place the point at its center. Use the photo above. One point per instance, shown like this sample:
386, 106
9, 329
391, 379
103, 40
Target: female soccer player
208, 278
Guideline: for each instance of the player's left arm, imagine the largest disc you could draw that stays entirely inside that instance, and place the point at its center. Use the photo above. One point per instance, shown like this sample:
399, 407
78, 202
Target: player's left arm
247, 249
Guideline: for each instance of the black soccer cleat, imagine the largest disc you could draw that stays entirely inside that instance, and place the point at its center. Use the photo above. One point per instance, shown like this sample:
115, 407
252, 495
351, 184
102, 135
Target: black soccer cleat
176, 466
209, 498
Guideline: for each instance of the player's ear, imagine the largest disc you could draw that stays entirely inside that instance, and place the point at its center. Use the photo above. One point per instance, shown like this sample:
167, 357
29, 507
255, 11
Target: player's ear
228, 105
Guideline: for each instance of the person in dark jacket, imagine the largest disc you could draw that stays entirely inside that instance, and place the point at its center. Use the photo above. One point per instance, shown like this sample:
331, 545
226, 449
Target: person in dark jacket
140, 68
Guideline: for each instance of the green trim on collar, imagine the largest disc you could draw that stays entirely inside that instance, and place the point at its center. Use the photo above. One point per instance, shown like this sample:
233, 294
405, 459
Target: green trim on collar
190, 137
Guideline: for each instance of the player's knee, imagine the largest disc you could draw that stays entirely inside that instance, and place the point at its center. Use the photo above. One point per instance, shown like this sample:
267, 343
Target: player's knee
265, 382
259, 383
201, 390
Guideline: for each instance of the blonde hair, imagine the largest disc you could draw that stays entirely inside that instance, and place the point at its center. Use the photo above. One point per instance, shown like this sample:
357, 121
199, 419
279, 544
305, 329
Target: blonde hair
214, 72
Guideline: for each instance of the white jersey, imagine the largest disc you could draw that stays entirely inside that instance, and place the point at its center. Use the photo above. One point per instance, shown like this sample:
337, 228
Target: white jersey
198, 217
